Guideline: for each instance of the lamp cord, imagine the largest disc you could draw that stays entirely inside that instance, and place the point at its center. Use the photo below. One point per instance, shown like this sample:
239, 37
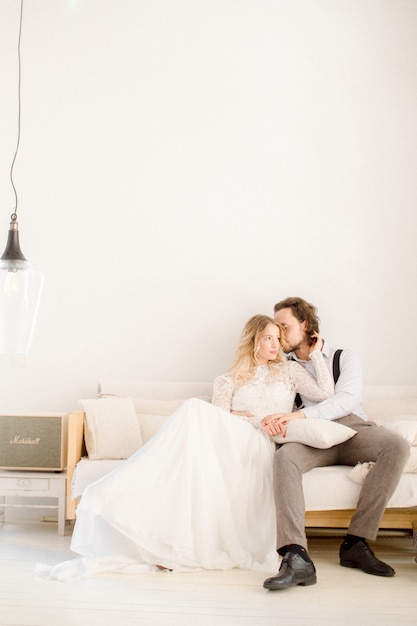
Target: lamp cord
14, 214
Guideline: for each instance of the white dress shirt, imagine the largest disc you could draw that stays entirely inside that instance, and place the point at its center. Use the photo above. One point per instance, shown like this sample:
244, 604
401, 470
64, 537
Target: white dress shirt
348, 396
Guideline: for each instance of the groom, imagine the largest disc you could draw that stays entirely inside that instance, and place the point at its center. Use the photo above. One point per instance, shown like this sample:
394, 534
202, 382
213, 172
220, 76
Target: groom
389, 451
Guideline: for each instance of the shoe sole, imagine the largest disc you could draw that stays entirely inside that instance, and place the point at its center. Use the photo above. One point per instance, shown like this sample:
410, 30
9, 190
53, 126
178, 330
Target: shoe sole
353, 565
304, 583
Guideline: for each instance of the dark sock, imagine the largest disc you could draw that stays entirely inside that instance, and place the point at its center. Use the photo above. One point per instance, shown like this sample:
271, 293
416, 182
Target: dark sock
295, 549
350, 540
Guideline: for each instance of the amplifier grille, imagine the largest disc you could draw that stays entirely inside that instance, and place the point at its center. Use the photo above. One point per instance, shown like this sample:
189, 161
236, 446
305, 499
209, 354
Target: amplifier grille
32, 442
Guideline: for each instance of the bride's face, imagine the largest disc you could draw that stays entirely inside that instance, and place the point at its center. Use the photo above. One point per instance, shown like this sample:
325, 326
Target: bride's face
269, 345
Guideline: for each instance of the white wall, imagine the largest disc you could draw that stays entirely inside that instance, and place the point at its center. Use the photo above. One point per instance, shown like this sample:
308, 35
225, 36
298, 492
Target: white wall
184, 164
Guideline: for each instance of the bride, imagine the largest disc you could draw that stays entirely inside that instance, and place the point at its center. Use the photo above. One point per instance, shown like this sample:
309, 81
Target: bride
199, 494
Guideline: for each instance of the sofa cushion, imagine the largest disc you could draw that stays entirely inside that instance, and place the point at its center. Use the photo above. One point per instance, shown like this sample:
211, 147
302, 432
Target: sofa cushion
111, 428
406, 426
411, 465
157, 406
383, 403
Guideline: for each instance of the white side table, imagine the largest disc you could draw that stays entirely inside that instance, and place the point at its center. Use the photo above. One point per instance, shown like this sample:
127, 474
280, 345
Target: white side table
29, 484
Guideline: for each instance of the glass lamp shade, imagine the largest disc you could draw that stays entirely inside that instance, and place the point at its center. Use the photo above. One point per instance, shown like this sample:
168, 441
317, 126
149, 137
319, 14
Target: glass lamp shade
20, 293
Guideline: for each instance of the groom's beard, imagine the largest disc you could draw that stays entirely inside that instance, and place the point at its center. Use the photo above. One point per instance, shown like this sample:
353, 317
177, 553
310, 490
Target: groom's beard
291, 347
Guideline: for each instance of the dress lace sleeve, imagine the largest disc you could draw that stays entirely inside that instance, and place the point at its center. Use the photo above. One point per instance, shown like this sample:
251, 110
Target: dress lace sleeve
318, 389
223, 392
224, 396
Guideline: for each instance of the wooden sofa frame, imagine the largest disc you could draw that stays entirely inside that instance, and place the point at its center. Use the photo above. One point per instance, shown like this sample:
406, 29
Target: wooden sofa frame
399, 519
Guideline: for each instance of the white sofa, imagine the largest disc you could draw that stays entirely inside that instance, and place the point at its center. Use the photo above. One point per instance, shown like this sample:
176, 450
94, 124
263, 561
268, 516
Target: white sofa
330, 494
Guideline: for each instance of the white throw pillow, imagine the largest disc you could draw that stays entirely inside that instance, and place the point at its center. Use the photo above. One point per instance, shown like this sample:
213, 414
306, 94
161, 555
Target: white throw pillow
316, 433
411, 464
111, 428
405, 426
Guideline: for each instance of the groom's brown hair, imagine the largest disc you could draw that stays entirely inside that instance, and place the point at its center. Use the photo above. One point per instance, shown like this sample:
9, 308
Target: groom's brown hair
303, 311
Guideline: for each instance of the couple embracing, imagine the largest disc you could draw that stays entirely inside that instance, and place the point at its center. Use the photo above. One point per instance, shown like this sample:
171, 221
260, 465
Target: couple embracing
212, 489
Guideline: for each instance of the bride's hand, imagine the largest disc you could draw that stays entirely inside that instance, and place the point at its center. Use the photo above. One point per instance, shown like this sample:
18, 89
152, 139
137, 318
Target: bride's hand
318, 344
276, 424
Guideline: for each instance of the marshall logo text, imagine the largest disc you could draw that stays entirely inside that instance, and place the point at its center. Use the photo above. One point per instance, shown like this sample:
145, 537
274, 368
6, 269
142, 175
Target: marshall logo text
25, 441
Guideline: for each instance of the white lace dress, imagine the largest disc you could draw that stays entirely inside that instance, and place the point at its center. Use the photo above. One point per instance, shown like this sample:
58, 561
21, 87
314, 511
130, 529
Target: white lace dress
273, 390
197, 495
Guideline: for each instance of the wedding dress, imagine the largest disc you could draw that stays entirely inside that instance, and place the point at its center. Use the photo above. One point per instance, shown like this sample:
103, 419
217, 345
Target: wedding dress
199, 494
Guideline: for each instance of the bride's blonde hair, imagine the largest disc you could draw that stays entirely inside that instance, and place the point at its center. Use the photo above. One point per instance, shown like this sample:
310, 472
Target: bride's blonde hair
243, 368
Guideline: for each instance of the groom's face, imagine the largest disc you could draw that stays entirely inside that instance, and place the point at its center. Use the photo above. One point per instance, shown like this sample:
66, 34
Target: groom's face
294, 334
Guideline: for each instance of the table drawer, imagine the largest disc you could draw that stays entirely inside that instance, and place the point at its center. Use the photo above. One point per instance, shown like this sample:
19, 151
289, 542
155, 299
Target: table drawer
14, 483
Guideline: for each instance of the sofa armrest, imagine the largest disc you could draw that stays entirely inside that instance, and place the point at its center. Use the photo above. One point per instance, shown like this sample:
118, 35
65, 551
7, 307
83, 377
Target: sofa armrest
74, 454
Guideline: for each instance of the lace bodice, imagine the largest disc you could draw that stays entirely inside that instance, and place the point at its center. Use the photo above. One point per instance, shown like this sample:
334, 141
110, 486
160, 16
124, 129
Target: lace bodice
272, 390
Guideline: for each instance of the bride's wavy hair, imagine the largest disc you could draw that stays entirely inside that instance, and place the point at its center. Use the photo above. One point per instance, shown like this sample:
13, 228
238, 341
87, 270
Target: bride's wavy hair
244, 365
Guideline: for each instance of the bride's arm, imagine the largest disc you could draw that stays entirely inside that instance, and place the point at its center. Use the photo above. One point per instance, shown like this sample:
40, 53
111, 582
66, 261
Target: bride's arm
305, 384
223, 397
223, 392
314, 389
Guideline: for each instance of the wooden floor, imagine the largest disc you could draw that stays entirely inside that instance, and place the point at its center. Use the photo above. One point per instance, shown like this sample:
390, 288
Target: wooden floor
209, 598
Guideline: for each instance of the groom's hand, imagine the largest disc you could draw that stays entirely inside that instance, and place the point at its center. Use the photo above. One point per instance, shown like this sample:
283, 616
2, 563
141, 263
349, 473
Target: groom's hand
276, 424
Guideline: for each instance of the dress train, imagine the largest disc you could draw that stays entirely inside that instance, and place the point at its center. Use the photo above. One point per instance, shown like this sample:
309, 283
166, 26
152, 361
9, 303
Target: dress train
198, 495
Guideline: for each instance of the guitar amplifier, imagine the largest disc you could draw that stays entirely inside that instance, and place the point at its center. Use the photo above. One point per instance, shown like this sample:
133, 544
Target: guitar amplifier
33, 441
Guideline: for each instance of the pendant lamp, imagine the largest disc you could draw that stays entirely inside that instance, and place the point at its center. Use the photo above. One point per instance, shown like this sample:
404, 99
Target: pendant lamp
20, 284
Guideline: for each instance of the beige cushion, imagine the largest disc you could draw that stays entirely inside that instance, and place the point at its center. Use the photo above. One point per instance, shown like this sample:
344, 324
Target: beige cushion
111, 428
316, 433
153, 412
150, 424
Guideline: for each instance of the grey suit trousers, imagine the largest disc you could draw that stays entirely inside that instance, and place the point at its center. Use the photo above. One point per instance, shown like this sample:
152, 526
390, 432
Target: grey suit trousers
386, 448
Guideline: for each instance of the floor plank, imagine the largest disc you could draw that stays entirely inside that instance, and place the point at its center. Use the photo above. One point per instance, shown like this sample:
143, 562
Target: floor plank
208, 598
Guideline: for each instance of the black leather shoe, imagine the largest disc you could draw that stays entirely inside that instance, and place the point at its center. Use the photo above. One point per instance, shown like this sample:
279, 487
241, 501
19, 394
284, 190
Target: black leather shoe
361, 556
294, 570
